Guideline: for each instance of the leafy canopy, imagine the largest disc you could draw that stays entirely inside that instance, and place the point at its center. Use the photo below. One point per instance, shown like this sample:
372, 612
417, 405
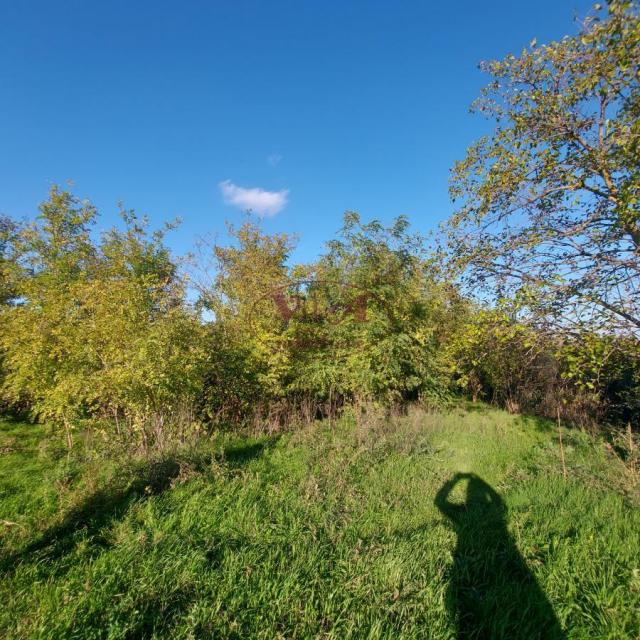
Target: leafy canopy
550, 202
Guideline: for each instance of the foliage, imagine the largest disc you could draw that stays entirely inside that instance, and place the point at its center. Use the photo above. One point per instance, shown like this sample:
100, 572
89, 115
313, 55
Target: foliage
250, 355
232, 389
359, 323
503, 360
607, 367
373, 331
100, 332
8, 230
586, 377
99, 329
550, 202
42, 356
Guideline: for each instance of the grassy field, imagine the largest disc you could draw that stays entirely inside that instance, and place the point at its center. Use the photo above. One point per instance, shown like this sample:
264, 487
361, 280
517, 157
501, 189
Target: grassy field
427, 526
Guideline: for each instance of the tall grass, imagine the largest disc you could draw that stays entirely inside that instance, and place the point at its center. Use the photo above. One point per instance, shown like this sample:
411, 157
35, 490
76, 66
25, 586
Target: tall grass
329, 532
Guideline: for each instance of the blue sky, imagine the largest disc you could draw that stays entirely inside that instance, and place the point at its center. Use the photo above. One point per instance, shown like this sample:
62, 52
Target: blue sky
329, 105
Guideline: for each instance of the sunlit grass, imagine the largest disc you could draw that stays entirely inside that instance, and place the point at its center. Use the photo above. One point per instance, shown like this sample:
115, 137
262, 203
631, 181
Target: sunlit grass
328, 532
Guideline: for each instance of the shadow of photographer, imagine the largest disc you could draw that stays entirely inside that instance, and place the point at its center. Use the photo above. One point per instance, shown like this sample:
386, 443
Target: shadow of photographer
492, 593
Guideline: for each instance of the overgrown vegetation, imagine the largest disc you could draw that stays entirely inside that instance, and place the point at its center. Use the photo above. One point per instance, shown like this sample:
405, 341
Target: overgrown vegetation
279, 450
99, 333
550, 203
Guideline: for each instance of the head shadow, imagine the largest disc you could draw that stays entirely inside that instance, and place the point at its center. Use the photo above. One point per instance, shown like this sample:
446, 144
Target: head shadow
492, 593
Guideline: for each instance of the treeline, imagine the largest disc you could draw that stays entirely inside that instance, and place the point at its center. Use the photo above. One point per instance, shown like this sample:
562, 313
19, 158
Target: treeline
530, 301
100, 333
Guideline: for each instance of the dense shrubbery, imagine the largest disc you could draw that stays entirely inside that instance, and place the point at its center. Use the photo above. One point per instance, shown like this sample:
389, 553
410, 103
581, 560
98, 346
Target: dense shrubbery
548, 223
586, 378
99, 330
360, 324
101, 333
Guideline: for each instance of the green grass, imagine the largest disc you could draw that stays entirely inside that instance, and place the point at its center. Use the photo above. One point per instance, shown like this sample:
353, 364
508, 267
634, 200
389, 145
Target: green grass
329, 532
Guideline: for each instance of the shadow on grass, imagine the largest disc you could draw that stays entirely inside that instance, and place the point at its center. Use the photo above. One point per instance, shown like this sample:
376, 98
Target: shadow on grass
93, 516
469, 406
239, 454
492, 592
544, 425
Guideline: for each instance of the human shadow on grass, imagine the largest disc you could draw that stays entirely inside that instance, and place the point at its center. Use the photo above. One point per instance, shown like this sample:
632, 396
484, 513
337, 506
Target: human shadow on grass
492, 592
93, 516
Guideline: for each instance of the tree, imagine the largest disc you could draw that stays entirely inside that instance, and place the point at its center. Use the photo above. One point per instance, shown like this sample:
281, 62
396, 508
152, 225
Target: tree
498, 359
144, 347
550, 202
8, 230
100, 330
53, 258
362, 322
250, 355
373, 330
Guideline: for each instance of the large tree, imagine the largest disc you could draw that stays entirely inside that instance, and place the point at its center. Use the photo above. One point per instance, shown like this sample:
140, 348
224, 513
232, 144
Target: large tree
549, 203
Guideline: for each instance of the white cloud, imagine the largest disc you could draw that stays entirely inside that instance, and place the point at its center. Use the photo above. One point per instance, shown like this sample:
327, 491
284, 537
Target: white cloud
264, 203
